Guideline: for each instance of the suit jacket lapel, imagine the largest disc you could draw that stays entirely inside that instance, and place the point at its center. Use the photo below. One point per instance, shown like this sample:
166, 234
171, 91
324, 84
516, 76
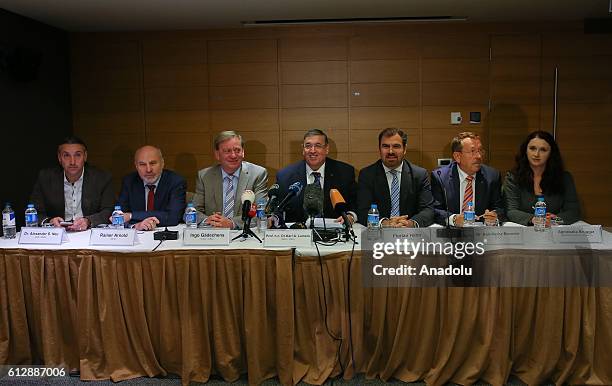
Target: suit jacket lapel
405, 187
381, 181
454, 190
242, 185
300, 175
86, 192
480, 192
217, 180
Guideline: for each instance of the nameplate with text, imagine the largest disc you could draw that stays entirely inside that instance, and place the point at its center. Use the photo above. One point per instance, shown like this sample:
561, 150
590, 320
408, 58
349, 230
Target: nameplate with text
49, 236
577, 234
500, 235
206, 236
113, 236
292, 238
410, 234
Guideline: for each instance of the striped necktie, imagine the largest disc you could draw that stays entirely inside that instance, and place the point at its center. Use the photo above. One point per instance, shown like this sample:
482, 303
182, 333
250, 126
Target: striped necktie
469, 193
395, 194
228, 197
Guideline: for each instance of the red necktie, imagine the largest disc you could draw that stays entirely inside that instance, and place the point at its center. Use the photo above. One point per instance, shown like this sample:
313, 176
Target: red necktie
469, 194
151, 197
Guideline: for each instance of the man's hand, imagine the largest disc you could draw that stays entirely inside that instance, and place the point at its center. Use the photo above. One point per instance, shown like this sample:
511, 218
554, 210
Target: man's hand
459, 220
80, 224
147, 224
398, 222
490, 217
55, 221
350, 218
218, 221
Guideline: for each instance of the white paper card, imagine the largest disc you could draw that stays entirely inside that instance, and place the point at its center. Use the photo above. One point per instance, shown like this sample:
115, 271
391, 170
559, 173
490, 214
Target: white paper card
113, 236
45, 235
292, 238
577, 234
206, 236
500, 235
413, 235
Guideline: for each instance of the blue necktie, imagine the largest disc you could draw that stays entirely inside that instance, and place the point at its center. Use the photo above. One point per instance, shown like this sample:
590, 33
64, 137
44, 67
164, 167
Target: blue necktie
228, 199
395, 194
317, 178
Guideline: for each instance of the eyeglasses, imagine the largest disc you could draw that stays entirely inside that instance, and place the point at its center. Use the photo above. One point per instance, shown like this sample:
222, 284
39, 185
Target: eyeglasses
474, 153
236, 150
316, 146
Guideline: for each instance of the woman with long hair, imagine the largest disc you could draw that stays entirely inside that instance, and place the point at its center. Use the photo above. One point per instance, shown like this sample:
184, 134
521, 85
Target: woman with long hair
539, 170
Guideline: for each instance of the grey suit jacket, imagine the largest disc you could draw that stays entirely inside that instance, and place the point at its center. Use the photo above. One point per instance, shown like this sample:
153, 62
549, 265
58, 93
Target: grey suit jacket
208, 197
97, 200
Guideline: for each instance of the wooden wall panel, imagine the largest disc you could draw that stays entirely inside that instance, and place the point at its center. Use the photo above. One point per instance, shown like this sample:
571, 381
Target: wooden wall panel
325, 95
384, 94
313, 72
180, 89
329, 48
384, 71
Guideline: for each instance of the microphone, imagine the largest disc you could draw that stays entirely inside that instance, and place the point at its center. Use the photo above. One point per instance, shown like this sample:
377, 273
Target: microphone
293, 190
340, 206
313, 200
247, 198
272, 199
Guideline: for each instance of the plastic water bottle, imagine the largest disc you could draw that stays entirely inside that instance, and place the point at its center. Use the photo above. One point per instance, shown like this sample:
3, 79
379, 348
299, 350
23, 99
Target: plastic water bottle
8, 222
373, 217
117, 218
31, 216
539, 214
191, 216
468, 215
262, 219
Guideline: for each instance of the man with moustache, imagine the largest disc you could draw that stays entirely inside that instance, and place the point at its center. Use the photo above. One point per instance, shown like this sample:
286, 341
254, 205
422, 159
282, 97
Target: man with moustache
152, 196
76, 195
400, 188
467, 179
220, 187
317, 167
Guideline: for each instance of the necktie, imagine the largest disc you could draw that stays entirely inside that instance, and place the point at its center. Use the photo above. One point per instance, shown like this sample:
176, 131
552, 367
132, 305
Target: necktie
469, 193
395, 194
228, 197
151, 197
317, 178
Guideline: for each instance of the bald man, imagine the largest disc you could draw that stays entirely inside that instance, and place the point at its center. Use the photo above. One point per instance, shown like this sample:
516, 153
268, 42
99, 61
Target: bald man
152, 196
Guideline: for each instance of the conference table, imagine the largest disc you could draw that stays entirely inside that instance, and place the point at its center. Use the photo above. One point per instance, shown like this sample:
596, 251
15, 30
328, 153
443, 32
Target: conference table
299, 314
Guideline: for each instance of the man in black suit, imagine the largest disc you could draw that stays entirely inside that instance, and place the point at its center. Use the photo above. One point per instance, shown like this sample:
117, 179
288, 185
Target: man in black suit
317, 167
76, 192
467, 179
399, 188
152, 195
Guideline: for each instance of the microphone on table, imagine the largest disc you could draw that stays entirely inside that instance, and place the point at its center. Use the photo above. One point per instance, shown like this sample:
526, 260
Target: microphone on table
341, 207
248, 212
293, 190
272, 199
313, 202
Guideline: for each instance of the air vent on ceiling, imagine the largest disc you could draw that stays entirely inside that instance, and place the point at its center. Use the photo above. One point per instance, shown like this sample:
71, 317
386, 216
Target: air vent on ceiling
354, 20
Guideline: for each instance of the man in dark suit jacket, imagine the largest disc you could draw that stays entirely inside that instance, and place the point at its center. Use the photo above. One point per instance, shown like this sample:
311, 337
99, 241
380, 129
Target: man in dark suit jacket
332, 174
467, 169
152, 195
414, 208
75, 192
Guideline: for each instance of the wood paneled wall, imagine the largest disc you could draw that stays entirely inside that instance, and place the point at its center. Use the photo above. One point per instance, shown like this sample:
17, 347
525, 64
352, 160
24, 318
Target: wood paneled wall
178, 89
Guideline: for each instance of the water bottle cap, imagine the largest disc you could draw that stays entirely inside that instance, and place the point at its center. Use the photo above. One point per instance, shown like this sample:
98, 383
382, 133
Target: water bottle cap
374, 206
30, 205
190, 205
117, 207
470, 203
540, 198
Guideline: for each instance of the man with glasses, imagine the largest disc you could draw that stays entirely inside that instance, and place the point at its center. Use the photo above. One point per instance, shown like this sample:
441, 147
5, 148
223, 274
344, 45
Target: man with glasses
467, 179
220, 187
75, 195
316, 167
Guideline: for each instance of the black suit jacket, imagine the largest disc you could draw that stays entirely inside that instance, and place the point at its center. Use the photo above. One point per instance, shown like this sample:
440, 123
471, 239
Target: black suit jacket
487, 191
97, 200
338, 175
169, 198
416, 200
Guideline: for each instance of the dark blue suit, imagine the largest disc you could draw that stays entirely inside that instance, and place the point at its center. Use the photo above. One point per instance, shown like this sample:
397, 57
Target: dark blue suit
487, 191
338, 175
169, 198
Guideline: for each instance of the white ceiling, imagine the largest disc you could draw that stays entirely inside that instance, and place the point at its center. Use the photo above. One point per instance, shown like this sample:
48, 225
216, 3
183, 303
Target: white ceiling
126, 15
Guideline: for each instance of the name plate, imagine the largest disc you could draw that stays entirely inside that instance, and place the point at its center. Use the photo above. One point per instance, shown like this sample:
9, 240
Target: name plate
411, 234
113, 236
577, 234
50, 236
292, 238
206, 236
500, 235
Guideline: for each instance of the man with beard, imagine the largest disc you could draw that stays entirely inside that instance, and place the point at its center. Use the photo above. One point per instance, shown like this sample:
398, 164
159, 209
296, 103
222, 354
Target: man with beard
467, 179
399, 188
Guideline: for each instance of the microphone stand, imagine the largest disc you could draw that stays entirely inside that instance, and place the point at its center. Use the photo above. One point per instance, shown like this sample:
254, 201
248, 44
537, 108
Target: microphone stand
246, 231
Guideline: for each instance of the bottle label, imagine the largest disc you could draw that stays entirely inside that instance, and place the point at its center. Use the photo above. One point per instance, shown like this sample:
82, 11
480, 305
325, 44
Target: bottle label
31, 218
190, 218
468, 215
540, 211
373, 219
8, 218
117, 220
